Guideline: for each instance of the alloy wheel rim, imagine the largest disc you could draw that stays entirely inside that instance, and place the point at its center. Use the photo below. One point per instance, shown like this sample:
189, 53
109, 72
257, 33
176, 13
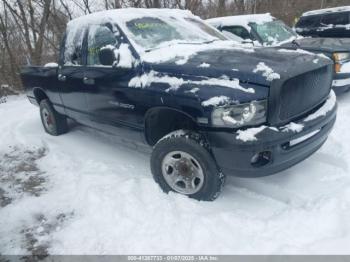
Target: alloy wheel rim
182, 172
47, 119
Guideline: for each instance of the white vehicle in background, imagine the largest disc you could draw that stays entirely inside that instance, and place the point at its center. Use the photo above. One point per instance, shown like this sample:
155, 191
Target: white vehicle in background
266, 31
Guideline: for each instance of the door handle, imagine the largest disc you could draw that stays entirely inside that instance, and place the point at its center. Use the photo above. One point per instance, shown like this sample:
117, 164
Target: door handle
62, 78
88, 81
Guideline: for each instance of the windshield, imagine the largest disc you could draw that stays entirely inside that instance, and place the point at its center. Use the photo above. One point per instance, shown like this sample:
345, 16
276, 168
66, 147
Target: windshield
153, 32
274, 32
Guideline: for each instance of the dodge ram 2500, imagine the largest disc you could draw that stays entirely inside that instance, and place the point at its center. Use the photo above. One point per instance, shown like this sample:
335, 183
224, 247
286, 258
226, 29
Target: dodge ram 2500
208, 107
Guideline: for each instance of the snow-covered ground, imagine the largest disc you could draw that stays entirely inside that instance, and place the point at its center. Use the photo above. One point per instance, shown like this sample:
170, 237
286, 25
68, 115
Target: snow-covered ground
83, 193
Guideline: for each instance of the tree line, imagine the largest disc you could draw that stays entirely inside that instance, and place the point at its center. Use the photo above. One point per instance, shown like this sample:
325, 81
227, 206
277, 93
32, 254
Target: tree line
31, 30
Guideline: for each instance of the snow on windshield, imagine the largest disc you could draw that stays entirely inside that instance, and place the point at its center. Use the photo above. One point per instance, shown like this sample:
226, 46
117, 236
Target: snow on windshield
150, 28
153, 32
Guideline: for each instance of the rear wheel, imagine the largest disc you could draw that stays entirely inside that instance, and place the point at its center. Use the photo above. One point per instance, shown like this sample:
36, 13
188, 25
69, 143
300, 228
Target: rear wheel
181, 162
54, 123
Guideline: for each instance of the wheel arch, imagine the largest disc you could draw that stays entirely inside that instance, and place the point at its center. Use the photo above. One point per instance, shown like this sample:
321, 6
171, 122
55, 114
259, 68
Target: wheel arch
39, 94
160, 121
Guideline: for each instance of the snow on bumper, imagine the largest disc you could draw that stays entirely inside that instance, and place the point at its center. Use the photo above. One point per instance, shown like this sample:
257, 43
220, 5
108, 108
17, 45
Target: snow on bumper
267, 150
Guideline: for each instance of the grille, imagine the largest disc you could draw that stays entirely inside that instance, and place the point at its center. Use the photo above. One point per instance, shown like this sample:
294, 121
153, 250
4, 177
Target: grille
304, 92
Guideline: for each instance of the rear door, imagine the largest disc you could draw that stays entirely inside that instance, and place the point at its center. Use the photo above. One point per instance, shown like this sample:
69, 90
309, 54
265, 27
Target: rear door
114, 107
71, 74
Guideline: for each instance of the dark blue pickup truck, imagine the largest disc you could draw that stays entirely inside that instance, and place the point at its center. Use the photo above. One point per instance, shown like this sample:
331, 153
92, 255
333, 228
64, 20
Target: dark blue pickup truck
208, 107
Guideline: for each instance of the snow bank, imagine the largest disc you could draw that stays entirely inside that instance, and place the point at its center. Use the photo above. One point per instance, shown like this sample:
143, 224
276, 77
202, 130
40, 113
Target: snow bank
99, 198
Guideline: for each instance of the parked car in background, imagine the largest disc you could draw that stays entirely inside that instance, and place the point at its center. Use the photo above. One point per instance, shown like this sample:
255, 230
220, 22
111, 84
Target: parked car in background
164, 79
331, 22
267, 31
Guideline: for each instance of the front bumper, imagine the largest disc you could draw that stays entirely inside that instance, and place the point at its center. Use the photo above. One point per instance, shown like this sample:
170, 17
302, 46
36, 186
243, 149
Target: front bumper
283, 147
341, 82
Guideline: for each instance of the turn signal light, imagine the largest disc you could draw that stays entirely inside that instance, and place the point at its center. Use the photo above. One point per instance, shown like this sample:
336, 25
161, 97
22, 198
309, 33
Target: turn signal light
337, 67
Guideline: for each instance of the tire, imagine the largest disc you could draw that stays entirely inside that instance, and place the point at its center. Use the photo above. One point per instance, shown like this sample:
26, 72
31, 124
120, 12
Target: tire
186, 153
54, 123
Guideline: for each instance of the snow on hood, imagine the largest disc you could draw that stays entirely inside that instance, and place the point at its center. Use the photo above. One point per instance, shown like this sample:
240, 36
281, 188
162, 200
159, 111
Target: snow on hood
240, 20
145, 80
233, 74
183, 52
266, 71
259, 67
216, 101
317, 56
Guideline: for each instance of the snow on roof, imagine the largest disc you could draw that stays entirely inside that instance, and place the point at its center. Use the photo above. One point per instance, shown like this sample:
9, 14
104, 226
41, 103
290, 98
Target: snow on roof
242, 20
327, 10
127, 14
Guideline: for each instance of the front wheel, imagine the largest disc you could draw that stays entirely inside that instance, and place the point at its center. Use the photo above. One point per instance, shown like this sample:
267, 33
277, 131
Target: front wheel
181, 162
54, 123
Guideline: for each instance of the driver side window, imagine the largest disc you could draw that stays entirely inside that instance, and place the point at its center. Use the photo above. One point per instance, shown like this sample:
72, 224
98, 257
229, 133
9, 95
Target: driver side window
100, 37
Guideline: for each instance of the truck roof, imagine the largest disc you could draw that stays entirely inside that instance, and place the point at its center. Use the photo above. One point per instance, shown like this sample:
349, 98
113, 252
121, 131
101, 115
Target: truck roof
242, 20
327, 10
126, 14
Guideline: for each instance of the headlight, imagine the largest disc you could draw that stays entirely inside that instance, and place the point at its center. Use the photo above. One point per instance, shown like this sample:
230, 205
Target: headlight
236, 116
340, 58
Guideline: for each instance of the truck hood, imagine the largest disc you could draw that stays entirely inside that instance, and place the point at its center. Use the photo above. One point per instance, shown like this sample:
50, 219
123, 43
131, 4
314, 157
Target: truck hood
327, 45
236, 74
255, 66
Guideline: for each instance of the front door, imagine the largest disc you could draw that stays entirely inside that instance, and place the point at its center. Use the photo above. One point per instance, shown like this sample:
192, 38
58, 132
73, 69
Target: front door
71, 75
114, 107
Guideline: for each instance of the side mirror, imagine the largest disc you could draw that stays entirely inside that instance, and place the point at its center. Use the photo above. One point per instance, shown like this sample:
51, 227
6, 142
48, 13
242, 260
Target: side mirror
107, 57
